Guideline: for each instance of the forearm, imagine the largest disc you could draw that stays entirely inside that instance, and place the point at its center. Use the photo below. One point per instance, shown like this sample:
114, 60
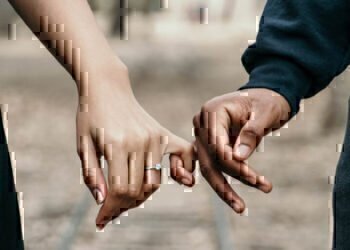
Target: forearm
301, 46
69, 30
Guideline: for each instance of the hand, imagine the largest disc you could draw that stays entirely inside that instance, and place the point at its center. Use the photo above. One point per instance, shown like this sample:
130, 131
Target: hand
111, 123
228, 129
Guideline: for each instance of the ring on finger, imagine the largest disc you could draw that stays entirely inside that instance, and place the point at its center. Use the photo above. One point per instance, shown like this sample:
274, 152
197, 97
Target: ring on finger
157, 166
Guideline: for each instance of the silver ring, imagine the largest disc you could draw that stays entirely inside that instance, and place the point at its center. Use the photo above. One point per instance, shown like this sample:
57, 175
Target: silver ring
158, 167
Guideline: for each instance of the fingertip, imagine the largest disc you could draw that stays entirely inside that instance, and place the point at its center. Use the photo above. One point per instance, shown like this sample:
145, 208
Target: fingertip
238, 206
102, 219
240, 210
265, 185
242, 152
267, 189
98, 221
182, 175
99, 224
189, 182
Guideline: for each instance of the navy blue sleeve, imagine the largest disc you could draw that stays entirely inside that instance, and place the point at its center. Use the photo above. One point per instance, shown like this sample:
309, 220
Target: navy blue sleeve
301, 46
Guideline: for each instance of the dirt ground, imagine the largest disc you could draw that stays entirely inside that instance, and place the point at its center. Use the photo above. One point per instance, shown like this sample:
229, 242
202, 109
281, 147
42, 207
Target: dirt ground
171, 81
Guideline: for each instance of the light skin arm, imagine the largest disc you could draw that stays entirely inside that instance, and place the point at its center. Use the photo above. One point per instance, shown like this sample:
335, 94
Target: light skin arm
69, 30
110, 121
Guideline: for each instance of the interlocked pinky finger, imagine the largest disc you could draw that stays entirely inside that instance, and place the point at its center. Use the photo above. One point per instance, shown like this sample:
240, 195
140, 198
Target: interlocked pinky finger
179, 173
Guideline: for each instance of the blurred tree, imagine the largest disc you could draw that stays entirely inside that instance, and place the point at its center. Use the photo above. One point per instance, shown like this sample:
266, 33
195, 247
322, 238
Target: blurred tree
118, 17
122, 8
228, 8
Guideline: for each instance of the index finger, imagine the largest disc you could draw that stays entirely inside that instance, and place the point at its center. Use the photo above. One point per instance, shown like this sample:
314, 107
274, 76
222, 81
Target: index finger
214, 135
117, 200
242, 171
111, 208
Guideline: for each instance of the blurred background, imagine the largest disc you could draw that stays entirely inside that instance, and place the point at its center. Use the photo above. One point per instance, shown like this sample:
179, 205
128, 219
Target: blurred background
177, 61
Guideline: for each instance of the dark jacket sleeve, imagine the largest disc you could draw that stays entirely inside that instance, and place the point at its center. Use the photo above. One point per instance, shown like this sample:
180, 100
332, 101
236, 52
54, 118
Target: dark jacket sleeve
301, 46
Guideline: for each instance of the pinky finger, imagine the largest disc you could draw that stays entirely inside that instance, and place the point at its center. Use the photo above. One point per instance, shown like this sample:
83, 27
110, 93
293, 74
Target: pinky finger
179, 173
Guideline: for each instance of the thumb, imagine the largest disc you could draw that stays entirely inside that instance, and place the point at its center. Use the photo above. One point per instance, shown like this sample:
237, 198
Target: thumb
251, 134
91, 170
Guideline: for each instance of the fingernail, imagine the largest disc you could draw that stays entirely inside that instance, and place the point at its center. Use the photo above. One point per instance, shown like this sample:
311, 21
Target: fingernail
186, 181
236, 206
264, 185
99, 227
98, 196
242, 150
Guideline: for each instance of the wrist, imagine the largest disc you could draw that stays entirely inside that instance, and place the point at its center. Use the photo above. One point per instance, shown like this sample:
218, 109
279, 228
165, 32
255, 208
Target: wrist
271, 99
284, 106
283, 103
113, 75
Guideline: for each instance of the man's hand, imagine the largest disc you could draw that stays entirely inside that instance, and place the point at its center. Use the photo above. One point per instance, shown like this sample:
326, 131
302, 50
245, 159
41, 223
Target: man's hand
228, 129
111, 123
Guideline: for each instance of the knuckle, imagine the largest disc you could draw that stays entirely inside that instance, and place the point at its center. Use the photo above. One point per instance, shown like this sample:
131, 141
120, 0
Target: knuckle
241, 106
120, 192
254, 130
119, 142
88, 180
207, 107
133, 193
80, 152
143, 140
271, 106
117, 145
100, 146
173, 172
154, 135
196, 120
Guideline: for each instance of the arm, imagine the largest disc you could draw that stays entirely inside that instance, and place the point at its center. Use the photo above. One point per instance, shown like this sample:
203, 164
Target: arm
301, 46
70, 32
110, 121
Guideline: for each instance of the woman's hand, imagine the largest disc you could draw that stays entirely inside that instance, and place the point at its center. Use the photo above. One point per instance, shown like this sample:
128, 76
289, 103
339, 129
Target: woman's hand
111, 123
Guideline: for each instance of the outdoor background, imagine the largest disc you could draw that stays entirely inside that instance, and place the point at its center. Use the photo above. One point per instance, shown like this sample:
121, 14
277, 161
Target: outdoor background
176, 63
